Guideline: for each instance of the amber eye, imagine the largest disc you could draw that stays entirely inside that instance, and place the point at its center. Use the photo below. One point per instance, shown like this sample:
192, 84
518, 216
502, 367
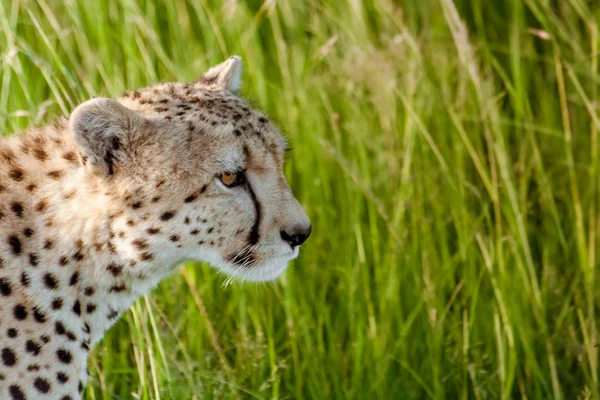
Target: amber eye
231, 179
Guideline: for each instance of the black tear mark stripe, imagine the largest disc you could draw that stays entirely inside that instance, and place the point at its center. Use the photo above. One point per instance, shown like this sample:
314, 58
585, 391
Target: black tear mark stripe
255, 232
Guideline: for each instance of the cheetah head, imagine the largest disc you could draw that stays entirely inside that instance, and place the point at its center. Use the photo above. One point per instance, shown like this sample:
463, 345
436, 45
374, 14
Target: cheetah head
194, 172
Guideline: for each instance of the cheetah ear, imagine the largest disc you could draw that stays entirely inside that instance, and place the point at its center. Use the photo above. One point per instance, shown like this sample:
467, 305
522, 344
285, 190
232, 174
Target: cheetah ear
101, 128
226, 75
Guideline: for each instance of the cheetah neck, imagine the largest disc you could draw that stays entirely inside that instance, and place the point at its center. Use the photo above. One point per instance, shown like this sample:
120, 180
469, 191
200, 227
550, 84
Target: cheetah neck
105, 261
68, 238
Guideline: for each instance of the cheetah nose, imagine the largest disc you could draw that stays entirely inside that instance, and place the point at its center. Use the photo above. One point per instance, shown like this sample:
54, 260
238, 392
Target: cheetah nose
296, 235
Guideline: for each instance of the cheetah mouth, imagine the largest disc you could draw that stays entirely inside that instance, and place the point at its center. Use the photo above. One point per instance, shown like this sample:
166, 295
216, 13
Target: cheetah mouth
251, 256
265, 271
244, 258
258, 263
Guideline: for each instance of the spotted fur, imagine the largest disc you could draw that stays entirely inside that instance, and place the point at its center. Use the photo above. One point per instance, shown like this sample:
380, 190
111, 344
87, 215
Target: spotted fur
96, 209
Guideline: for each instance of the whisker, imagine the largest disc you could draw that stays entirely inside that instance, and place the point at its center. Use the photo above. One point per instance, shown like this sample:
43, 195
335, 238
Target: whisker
242, 255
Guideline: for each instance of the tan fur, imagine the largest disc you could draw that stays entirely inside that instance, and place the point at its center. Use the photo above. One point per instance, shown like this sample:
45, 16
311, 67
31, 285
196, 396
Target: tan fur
97, 209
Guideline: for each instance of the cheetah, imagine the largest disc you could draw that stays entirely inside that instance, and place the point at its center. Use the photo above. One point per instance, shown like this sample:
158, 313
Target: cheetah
99, 207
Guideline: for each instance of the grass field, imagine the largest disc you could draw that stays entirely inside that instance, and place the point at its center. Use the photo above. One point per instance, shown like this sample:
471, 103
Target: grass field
446, 151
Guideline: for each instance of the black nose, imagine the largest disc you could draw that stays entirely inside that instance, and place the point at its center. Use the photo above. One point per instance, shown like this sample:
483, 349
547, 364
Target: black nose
297, 235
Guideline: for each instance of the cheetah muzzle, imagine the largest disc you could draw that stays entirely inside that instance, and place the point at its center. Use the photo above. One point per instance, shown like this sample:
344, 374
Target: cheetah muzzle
96, 209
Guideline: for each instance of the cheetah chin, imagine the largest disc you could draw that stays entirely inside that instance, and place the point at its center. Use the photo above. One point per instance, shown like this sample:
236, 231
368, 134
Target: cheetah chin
99, 207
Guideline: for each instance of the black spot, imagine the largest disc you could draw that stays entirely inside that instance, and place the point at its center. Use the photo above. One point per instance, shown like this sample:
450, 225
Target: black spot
8, 357
118, 288
28, 232
50, 281
25, 279
90, 308
12, 333
40, 154
33, 367
20, 312
16, 175
191, 198
140, 244
5, 287
17, 208
112, 314
15, 244
62, 377
167, 215
64, 356
33, 347
34, 259
59, 328
89, 291
45, 338
56, 174
114, 269
80, 387
77, 308
71, 157
137, 205
63, 261
66, 398
57, 304
42, 385
39, 315
74, 279
16, 393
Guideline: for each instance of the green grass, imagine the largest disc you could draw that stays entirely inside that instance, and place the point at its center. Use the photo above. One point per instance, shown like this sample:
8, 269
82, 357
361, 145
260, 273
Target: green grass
446, 152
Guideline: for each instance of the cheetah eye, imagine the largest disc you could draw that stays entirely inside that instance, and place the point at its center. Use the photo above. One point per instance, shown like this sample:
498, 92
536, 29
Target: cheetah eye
232, 179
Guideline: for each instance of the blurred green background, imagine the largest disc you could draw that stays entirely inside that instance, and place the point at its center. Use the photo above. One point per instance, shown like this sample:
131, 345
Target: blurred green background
446, 152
